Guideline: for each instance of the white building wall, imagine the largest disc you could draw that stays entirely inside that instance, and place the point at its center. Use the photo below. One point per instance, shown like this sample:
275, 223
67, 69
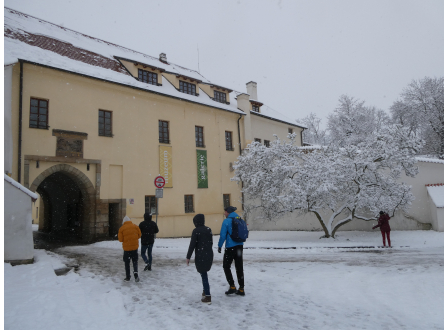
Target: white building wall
7, 133
18, 233
264, 129
436, 215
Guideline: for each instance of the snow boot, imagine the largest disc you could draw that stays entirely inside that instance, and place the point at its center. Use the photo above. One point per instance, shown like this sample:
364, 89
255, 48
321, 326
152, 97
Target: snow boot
137, 279
231, 290
127, 279
241, 292
207, 300
147, 267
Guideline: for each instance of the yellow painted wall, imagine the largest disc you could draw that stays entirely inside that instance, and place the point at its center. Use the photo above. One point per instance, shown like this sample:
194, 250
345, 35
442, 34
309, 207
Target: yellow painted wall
74, 102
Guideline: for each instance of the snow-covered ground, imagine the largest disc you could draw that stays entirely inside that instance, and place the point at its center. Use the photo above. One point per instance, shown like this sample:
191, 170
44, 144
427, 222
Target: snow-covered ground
315, 286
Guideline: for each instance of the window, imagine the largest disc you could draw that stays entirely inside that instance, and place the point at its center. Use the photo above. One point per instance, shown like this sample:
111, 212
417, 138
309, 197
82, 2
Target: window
229, 144
164, 132
188, 88
104, 123
226, 199
39, 113
257, 140
150, 204
189, 208
220, 97
290, 130
147, 77
199, 131
266, 143
255, 108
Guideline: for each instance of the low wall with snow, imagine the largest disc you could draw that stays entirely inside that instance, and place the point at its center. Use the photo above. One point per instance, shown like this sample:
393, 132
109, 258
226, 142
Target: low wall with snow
418, 217
19, 246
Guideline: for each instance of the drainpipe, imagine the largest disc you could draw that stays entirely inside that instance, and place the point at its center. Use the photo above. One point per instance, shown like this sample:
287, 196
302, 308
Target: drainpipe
239, 137
20, 123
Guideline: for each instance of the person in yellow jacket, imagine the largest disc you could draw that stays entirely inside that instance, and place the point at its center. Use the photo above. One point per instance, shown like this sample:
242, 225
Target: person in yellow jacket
129, 235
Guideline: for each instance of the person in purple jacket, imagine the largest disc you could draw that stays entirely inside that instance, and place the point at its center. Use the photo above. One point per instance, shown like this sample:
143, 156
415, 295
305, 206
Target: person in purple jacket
233, 251
383, 223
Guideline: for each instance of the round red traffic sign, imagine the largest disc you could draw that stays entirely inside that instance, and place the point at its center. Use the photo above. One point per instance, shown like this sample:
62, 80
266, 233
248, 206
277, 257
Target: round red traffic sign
159, 181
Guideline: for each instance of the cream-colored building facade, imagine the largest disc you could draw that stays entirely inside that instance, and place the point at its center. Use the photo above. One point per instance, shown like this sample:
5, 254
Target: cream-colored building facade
90, 132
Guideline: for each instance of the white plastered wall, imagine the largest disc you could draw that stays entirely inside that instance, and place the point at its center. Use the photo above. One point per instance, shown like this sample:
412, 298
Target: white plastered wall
18, 234
418, 217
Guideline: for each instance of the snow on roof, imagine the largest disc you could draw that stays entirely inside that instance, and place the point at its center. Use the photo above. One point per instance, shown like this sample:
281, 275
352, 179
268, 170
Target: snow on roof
37, 41
429, 160
435, 191
268, 112
19, 186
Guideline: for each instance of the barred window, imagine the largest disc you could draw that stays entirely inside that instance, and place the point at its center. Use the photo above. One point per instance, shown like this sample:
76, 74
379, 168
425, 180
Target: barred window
220, 97
188, 200
38, 113
199, 131
267, 143
255, 108
104, 123
187, 88
147, 77
257, 140
226, 199
164, 132
229, 143
150, 204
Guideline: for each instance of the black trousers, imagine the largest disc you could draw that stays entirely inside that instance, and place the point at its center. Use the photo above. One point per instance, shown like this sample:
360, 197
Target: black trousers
127, 256
230, 254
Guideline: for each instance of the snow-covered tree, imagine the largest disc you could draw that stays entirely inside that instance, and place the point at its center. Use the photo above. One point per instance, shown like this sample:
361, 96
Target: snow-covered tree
336, 184
315, 134
352, 122
421, 109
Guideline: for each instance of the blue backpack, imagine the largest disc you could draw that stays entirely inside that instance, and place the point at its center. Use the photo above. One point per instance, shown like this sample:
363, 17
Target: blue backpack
239, 230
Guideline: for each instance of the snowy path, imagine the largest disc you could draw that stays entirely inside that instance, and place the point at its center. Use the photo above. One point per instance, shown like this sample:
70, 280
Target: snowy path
400, 288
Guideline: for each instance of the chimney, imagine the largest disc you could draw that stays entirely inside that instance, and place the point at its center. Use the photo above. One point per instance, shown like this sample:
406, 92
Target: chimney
162, 58
252, 90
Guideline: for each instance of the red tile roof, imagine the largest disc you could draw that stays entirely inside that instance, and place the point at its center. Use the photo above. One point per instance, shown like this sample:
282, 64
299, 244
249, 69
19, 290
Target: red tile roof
65, 49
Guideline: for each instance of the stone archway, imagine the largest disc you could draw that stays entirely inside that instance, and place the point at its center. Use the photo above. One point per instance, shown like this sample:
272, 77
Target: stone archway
69, 201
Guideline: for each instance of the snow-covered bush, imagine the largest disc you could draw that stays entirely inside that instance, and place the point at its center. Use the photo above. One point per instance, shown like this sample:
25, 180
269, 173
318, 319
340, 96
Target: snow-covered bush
356, 181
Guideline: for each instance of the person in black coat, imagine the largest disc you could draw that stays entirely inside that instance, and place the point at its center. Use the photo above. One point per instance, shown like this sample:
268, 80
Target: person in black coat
148, 229
201, 243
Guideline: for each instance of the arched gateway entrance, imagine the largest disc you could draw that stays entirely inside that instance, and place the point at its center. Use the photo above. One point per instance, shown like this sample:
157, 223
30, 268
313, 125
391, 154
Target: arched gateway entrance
68, 199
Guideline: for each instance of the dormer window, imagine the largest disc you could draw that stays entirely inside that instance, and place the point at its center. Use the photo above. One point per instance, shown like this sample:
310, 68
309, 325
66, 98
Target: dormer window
147, 77
255, 105
220, 97
187, 88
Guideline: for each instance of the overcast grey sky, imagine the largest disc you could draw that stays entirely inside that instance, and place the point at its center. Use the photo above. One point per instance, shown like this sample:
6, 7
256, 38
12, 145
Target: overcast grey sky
302, 54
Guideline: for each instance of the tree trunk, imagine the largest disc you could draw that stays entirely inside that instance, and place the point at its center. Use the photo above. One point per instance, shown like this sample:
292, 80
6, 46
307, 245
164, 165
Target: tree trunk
327, 234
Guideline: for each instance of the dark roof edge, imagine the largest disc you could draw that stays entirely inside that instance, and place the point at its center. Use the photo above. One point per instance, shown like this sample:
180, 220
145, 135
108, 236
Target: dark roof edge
121, 84
275, 119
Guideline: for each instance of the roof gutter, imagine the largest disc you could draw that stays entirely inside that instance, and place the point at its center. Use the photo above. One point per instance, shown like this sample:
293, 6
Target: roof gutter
20, 124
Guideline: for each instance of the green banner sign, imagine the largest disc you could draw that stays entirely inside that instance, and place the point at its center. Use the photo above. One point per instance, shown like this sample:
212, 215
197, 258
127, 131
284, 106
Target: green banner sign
201, 156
